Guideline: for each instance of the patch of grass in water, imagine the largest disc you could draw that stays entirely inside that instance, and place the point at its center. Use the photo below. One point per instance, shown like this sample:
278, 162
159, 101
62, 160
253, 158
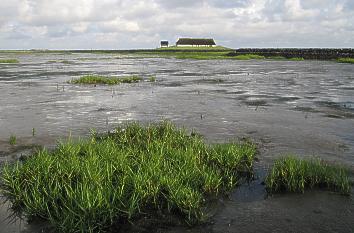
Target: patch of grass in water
346, 60
88, 185
9, 61
248, 57
297, 59
13, 140
152, 79
99, 79
291, 174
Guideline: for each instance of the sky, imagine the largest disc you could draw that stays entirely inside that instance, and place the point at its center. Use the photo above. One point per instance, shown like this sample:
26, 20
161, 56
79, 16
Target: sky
126, 24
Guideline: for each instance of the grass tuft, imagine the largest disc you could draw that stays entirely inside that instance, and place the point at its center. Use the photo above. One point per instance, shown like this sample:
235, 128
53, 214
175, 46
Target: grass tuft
297, 59
9, 61
13, 140
152, 79
346, 60
88, 185
99, 79
291, 174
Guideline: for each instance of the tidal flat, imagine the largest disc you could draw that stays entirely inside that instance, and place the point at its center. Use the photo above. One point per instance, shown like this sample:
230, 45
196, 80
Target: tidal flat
285, 107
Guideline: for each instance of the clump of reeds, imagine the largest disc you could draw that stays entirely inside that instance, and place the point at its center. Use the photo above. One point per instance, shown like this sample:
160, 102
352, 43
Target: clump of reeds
290, 174
9, 61
88, 185
346, 60
99, 79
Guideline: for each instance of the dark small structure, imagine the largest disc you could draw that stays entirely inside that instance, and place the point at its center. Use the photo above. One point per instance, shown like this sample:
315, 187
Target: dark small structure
164, 43
195, 42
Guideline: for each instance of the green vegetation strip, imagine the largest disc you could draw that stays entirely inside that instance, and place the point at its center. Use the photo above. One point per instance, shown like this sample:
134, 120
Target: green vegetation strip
89, 185
297, 59
346, 60
9, 61
248, 57
99, 79
291, 174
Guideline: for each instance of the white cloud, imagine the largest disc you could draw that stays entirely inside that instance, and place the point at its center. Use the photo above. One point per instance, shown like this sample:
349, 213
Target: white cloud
115, 24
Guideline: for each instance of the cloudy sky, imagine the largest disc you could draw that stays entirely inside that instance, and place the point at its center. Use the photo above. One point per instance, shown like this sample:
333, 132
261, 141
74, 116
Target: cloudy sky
120, 24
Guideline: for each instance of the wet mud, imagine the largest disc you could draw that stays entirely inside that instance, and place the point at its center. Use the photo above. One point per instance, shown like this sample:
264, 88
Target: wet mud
287, 107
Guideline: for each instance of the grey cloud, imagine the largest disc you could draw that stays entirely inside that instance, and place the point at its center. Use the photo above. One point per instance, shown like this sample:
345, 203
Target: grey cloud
142, 23
229, 3
179, 3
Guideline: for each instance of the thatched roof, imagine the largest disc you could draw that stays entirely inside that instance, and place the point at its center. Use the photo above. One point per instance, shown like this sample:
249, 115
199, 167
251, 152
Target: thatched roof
194, 41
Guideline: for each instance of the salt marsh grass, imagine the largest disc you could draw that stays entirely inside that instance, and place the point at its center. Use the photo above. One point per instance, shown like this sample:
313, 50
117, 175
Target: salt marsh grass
291, 174
152, 79
346, 60
13, 140
99, 79
248, 57
9, 61
88, 185
297, 59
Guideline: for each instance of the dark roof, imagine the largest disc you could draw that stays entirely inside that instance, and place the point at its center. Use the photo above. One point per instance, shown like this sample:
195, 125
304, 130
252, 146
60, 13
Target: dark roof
193, 41
164, 42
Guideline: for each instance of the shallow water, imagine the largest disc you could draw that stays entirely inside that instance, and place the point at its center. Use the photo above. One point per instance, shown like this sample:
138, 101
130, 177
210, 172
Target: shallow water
306, 108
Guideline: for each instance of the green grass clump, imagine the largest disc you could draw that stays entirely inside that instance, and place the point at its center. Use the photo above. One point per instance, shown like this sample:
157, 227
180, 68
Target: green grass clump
88, 185
9, 61
297, 59
346, 60
291, 174
13, 140
248, 57
99, 79
152, 79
